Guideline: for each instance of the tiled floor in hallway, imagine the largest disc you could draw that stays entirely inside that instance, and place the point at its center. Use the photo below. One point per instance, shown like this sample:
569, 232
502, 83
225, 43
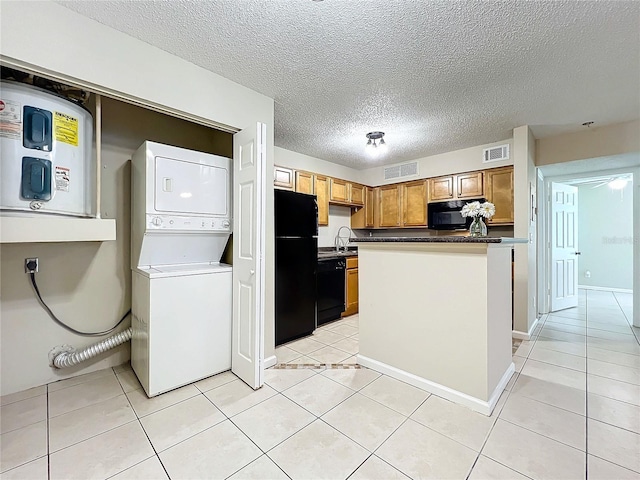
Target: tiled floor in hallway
571, 411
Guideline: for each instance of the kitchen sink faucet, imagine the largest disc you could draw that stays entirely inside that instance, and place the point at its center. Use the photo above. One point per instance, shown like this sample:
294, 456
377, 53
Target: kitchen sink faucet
342, 241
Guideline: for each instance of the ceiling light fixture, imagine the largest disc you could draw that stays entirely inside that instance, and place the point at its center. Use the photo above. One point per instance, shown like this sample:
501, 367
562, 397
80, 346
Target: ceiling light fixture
373, 147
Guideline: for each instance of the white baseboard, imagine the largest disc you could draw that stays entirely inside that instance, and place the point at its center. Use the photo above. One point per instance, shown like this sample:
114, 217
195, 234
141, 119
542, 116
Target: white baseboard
481, 406
606, 289
270, 361
525, 335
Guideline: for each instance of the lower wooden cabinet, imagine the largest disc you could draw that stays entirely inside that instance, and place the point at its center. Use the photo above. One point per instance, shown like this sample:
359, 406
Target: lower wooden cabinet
351, 287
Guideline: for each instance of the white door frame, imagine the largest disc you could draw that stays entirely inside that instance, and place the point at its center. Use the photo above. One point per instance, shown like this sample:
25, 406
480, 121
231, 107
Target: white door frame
544, 232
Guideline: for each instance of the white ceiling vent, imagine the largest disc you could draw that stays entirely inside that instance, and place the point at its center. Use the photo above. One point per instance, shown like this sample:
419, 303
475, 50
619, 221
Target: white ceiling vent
398, 171
495, 154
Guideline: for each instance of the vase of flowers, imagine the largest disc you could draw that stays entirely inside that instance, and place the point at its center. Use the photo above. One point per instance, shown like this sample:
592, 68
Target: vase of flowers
478, 211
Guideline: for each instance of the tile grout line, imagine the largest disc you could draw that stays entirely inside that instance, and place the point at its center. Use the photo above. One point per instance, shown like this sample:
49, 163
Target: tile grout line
48, 440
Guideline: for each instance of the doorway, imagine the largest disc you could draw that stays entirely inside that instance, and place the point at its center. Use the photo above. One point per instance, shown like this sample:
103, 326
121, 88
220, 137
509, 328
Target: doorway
607, 221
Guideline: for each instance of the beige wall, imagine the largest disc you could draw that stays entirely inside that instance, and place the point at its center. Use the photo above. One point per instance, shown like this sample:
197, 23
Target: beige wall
524, 187
120, 66
591, 142
88, 285
458, 161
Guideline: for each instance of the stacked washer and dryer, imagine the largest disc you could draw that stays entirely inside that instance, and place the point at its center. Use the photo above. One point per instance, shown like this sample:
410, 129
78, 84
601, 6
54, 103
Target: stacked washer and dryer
182, 294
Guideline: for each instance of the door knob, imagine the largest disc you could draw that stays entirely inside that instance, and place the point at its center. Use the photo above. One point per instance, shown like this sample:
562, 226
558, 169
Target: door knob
252, 272
577, 253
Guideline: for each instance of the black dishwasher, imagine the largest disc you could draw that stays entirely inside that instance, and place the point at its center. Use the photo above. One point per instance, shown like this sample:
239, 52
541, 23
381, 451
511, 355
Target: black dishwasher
330, 289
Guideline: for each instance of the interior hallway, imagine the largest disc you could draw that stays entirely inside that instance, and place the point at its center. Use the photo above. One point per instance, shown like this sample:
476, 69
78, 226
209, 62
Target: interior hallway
571, 411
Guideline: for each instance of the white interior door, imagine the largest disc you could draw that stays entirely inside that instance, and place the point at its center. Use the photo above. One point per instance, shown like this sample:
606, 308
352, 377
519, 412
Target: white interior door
564, 246
247, 350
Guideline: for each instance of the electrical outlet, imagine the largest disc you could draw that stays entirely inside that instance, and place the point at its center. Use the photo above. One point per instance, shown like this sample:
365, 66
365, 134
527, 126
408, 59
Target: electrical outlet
31, 265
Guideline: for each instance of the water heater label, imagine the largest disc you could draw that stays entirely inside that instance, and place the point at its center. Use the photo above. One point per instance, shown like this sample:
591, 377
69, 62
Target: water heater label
62, 179
65, 128
10, 119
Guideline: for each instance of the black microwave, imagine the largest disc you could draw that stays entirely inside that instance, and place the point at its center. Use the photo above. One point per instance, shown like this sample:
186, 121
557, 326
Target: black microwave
447, 216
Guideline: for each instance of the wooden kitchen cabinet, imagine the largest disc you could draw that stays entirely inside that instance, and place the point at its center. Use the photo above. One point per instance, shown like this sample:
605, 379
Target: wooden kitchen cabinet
452, 187
441, 188
339, 191
364, 216
351, 287
283, 178
498, 188
304, 182
357, 194
414, 203
469, 185
321, 188
389, 206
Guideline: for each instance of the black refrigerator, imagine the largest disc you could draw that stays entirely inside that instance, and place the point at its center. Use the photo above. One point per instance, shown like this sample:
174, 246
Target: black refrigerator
296, 232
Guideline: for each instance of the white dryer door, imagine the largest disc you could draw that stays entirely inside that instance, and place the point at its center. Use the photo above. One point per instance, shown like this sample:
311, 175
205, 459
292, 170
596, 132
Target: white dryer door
187, 187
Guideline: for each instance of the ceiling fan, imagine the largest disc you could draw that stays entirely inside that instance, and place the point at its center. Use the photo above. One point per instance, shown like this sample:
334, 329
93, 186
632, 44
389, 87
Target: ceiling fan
615, 182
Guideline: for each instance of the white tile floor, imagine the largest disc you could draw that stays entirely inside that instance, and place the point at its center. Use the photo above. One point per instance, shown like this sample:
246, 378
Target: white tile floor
335, 342
572, 411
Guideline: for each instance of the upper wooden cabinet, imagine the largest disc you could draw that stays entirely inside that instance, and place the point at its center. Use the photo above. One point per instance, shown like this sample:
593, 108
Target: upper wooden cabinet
464, 185
389, 206
414, 203
321, 189
357, 194
364, 217
498, 189
339, 191
469, 185
304, 182
441, 188
283, 178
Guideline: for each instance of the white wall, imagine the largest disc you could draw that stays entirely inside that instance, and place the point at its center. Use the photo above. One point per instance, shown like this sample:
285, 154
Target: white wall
111, 62
339, 216
605, 236
458, 161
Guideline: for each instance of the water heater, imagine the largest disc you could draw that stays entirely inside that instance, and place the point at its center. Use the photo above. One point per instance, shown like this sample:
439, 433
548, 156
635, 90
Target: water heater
45, 152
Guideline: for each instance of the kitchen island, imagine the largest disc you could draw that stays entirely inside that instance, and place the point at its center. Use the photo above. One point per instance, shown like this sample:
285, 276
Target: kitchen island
435, 312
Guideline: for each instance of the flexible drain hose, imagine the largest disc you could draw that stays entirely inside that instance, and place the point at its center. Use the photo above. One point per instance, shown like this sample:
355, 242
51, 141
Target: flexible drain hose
67, 356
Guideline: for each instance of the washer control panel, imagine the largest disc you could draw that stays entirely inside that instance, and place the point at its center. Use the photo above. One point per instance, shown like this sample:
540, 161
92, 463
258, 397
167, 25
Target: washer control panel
182, 223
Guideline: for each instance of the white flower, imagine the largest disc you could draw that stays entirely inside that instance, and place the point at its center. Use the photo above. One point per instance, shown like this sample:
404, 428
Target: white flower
471, 209
487, 210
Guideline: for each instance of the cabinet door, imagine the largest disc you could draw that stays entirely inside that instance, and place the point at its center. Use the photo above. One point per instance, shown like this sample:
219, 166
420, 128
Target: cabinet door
304, 182
469, 185
441, 188
339, 191
369, 208
322, 193
357, 194
389, 201
499, 191
414, 204
351, 294
283, 178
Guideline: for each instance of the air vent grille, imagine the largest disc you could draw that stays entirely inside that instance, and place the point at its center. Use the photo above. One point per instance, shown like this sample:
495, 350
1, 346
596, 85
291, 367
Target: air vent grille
398, 171
495, 154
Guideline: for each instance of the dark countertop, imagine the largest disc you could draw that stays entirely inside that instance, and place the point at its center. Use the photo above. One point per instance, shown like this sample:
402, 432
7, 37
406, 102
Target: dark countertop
330, 252
434, 239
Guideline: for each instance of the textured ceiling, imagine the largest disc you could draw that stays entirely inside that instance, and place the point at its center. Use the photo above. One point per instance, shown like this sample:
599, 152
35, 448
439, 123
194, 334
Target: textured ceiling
435, 76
